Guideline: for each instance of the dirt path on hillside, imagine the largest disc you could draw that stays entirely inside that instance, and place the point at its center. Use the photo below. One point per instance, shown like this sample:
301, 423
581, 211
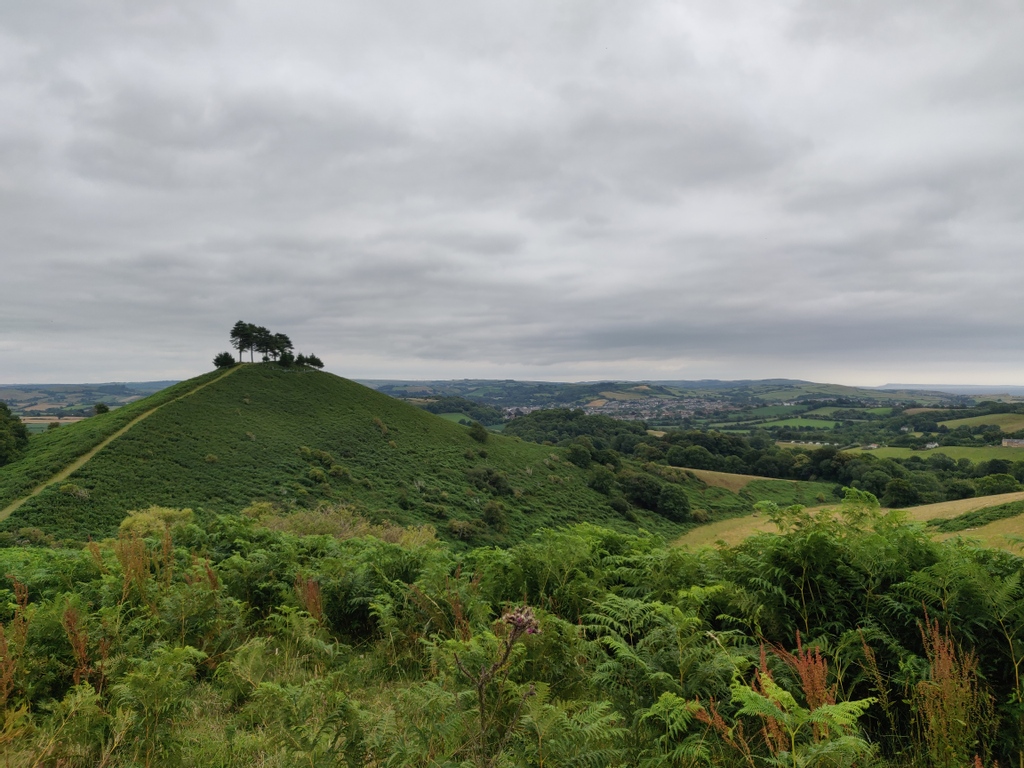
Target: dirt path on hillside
65, 473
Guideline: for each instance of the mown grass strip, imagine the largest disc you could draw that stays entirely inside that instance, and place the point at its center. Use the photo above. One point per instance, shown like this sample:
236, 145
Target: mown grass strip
977, 517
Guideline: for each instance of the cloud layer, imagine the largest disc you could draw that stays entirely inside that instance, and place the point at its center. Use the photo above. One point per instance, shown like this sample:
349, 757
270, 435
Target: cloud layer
571, 190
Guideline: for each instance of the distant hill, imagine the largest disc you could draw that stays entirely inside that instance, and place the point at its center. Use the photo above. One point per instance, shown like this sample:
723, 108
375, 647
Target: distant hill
976, 390
74, 399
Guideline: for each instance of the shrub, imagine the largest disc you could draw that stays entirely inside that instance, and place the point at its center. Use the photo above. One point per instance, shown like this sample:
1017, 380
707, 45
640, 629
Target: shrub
673, 503
224, 360
641, 489
154, 521
494, 516
478, 432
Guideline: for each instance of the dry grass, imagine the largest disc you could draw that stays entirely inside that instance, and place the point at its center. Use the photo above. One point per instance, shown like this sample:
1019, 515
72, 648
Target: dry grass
949, 509
730, 482
1008, 422
623, 396
1005, 534
734, 530
729, 532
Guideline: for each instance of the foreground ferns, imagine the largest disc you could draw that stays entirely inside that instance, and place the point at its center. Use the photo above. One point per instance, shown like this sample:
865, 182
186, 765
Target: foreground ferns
223, 641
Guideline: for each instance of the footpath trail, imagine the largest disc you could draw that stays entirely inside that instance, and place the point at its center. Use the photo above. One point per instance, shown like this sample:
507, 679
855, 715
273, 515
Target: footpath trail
85, 457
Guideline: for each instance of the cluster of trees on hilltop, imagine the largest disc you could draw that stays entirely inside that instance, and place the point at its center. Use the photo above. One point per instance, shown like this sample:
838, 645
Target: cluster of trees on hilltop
13, 435
271, 346
898, 482
847, 639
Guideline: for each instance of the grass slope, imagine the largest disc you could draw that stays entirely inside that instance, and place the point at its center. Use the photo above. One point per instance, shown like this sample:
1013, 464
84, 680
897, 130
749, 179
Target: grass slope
300, 437
54, 450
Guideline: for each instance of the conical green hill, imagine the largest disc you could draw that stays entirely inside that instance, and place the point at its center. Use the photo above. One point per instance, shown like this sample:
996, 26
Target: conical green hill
301, 438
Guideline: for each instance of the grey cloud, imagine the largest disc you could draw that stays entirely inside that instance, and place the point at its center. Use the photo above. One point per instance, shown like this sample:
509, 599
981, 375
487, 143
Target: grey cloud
531, 189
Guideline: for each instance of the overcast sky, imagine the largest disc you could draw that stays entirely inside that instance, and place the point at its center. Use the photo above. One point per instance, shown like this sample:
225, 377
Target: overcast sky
566, 190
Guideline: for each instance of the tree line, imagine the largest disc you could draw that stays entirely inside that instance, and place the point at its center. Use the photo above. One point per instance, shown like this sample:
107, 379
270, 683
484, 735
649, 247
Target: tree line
898, 482
276, 347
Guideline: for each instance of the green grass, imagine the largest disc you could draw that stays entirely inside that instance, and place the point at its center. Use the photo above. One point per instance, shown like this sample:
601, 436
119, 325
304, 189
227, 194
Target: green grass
54, 449
456, 417
771, 411
831, 409
812, 423
300, 438
981, 453
977, 517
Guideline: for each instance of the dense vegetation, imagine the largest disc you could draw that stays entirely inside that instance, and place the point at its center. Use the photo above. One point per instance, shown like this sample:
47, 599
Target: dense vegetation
474, 411
844, 639
13, 436
51, 451
906, 482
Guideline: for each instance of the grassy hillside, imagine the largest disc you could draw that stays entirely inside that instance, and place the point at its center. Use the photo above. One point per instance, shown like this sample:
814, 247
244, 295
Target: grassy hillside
299, 437
53, 450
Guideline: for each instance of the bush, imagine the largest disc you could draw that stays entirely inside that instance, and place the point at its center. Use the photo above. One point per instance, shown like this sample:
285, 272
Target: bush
602, 480
673, 503
494, 516
641, 489
478, 432
578, 455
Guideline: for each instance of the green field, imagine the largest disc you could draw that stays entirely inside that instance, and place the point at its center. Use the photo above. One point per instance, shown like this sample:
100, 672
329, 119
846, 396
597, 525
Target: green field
771, 411
1007, 422
982, 453
829, 410
798, 422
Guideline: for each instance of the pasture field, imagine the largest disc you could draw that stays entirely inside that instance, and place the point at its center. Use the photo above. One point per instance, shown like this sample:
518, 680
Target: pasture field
37, 424
974, 453
1007, 422
799, 422
830, 409
456, 417
731, 482
947, 510
1005, 534
734, 530
773, 411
